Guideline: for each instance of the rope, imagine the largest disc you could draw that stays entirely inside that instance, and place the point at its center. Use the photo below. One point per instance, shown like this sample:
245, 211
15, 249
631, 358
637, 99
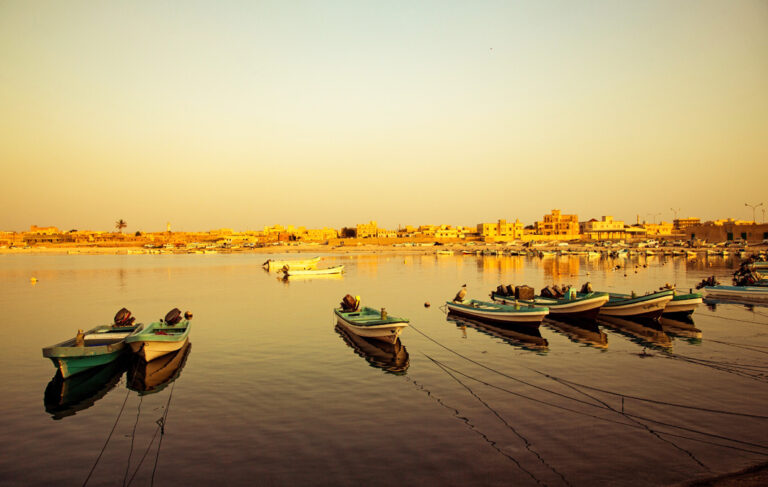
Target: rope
161, 423
108, 438
133, 435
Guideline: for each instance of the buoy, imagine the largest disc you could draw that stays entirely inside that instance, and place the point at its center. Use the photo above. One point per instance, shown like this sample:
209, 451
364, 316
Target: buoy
32, 279
427, 305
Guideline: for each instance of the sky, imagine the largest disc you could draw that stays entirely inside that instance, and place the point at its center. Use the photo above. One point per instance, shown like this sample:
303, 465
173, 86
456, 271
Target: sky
240, 114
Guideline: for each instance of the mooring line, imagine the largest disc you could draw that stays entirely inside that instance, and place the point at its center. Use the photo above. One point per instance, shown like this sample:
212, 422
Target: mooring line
103, 448
528, 445
133, 436
161, 422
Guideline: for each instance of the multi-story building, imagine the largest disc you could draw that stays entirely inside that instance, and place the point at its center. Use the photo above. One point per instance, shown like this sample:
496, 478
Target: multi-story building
683, 223
365, 230
501, 230
558, 225
604, 229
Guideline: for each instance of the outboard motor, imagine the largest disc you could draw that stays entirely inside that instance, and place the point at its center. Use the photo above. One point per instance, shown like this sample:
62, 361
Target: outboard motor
500, 290
348, 303
123, 318
510, 290
173, 317
586, 288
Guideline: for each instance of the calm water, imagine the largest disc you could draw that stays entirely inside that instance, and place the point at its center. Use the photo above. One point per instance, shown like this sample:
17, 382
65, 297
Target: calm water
270, 393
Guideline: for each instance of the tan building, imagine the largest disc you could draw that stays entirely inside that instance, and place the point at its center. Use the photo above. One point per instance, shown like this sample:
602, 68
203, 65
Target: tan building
604, 229
365, 230
501, 230
559, 225
663, 229
683, 223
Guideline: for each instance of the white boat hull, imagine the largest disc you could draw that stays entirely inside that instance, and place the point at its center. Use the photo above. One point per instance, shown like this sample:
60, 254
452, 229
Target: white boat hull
738, 293
315, 272
276, 265
565, 308
647, 307
388, 332
683, 306
151, 350
531, 317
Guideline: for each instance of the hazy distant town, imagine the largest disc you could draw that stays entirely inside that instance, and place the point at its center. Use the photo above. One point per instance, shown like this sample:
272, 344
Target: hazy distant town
553, 227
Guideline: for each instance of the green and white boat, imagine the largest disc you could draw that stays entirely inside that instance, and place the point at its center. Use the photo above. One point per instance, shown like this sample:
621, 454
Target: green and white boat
649, 306
371, 323
490, 312
683, 304
161, 337
98, 346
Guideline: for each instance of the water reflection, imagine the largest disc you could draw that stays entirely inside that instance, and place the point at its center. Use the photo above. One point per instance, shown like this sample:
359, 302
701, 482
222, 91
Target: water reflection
526, 337
579, 331
648, 333
681, 327
151, 377
65, 397
389, 357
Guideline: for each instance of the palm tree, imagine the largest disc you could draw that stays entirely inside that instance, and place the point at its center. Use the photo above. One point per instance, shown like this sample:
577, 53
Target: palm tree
120, 224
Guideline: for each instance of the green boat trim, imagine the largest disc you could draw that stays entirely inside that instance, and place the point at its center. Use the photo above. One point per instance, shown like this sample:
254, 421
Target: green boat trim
101, 345
161, 332
368, 317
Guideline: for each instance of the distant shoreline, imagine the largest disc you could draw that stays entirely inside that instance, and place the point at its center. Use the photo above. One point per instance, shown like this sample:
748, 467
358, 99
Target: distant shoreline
304, 249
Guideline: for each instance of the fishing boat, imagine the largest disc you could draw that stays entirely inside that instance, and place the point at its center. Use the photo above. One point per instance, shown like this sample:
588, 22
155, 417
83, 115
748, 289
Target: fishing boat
629, 305
290, 272
578, 305
683, 304
444, 252
738, 293
153, 376
490, 312
97, 346
371, 323
276, 265
161, 337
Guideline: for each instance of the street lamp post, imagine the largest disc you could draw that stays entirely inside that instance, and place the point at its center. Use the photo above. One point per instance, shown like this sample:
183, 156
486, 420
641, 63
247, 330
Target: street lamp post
654, 215
753, 210
675, 210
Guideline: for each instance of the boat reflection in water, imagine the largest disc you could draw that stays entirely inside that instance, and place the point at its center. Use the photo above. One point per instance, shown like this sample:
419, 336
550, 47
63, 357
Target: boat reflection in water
524, 336
646, 332
390, 357
150, 377
681, 327
65, 397
579, 330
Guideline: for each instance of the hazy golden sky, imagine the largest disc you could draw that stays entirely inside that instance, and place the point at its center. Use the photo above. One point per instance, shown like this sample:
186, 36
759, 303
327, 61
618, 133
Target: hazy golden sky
241, 114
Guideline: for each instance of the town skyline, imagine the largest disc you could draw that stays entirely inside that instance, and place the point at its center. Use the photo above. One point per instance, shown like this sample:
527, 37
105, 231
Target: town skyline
241, 115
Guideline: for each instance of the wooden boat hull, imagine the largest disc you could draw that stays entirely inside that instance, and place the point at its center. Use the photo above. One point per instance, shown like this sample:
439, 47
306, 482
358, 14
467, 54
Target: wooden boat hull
102, 345
650, 306
683, 304
499, 313
585, 307
276, 265
387, 330
159, 339
738, 293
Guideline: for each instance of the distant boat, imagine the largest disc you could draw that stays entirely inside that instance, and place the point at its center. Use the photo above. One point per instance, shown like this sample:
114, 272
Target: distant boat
683, 304
628, 306
313, 272
161, 337
582, 305
97, 346
276, 265
444, 252
491, 312
371, 323
738, 293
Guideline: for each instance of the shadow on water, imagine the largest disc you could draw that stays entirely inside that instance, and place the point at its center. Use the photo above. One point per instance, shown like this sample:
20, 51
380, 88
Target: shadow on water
154, 376
579, 330
523, 336
392, 358
65, 397
681, 328
645, 332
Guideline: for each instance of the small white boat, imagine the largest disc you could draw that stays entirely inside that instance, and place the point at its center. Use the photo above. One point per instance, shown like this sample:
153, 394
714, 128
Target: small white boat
337, 269
738, 293
648, 306
523, 314
372, 323
276, 265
